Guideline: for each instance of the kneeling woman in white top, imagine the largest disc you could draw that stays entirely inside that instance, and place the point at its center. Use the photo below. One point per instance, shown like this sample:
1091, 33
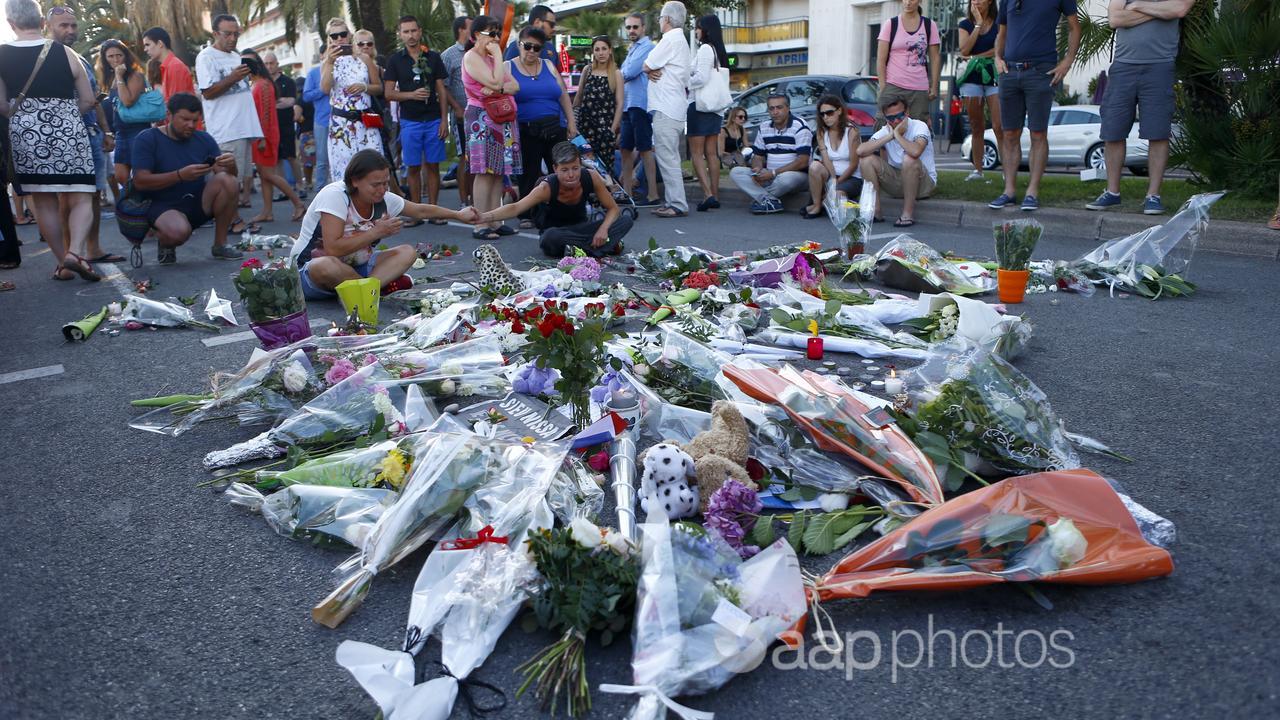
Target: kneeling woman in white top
836, 157
348, 219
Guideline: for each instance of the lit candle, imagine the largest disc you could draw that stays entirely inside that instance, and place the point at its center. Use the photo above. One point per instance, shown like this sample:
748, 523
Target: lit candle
814, 348
893, 383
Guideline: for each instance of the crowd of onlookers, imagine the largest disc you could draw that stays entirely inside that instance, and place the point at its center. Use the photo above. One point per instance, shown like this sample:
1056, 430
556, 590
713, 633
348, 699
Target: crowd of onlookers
367, 133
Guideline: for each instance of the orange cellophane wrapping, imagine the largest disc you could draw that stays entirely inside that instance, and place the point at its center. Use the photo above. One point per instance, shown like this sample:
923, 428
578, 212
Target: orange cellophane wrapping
1116, 553
912, 469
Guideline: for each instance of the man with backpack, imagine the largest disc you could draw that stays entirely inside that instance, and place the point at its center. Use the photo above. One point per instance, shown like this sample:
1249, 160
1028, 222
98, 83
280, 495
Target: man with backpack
907, 61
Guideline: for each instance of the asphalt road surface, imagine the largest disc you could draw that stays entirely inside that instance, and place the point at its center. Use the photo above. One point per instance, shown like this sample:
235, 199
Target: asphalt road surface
126, 592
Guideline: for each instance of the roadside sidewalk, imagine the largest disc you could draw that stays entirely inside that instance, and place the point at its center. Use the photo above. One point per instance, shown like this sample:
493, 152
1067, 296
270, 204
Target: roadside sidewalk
1224, 236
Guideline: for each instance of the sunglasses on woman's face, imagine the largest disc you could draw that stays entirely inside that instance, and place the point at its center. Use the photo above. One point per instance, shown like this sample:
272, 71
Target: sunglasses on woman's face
531, 47
365, 43
340, 35
490, 33
828, 113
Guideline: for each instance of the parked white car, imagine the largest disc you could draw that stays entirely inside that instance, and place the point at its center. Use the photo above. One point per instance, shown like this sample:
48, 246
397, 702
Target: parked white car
1073, 141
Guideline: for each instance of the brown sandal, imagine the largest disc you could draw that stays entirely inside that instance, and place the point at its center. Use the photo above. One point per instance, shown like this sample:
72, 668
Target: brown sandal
80, 266
57, 274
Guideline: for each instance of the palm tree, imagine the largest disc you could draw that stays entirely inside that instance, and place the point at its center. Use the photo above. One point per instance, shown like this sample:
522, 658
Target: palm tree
434, 16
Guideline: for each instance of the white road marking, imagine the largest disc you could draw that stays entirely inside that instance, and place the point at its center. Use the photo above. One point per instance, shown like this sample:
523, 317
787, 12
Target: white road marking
248, 335
31, 374
118, 280
453, 223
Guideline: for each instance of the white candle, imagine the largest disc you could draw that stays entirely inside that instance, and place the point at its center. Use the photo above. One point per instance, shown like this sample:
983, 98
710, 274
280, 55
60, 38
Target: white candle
893, 383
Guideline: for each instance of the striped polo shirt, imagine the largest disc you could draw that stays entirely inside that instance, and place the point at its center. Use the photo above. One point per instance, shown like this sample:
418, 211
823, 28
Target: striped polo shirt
779, 147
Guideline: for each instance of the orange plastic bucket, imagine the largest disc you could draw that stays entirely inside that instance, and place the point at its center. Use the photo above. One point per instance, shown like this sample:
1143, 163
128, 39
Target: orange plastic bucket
1012, 284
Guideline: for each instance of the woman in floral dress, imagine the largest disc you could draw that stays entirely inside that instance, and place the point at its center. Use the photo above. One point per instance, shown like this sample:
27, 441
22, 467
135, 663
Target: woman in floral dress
347, 78
599, 101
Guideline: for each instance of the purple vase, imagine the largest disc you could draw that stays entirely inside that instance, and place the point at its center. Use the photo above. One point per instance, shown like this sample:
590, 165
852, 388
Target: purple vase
283, 331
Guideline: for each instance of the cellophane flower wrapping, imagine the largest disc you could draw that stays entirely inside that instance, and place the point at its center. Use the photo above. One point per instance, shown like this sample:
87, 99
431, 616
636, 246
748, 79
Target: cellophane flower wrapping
344, 513
1064, 526
981, 323
834, 417
852, 217
468, 596
358, 405
909, 264
269, 292
158, 313
704, 615
271, 386
382, 464
983, 405
474, 357
1169, 246
448, 468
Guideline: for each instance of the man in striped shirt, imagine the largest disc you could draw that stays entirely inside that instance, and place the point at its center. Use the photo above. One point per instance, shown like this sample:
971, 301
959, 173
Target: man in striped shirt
779, 159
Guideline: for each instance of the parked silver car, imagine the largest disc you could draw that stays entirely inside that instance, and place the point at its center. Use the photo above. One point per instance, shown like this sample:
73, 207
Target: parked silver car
1073, 141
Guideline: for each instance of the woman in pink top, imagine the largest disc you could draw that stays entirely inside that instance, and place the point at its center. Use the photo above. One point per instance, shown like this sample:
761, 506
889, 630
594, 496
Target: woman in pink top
494, 148
907, 61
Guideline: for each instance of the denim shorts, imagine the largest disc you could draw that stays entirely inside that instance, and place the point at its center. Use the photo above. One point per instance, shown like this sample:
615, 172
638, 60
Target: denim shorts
312, 292
1148, 89
972, 90
702, 124
1026, 96
101, 162
636, 131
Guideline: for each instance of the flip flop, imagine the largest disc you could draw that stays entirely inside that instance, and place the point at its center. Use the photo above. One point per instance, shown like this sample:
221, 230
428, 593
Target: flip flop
244, 205
298, 215
62, 278
485, 234
438, 221
877, 219
669, 212
108, 258
505, 230
26, 220
903, 222
251, 227
7, 285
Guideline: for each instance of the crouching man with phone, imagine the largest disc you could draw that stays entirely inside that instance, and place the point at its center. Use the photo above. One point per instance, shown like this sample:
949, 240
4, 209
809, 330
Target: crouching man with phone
347, 222
187, 178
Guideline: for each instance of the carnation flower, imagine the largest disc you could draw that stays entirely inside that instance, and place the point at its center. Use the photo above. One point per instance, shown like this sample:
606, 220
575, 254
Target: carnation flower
294, 377
600, 461
341, 370
391, 471
586, 533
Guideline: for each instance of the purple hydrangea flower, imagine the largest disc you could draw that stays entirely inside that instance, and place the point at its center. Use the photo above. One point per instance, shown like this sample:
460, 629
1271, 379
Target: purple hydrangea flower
731, 512
583, 269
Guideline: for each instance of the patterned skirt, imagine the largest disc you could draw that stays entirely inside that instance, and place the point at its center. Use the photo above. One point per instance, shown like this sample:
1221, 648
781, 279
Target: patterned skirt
493, 149
50, 145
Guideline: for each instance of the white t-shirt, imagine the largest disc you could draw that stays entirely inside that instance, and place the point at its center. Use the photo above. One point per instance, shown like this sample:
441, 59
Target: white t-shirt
232, 115
915, 130
333, 200
672, 56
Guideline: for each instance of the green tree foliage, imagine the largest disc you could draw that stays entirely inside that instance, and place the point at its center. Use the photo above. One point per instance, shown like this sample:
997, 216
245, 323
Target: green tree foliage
1229, 83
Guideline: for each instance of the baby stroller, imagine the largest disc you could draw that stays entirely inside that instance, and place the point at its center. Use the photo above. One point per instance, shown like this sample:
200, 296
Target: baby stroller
624, 201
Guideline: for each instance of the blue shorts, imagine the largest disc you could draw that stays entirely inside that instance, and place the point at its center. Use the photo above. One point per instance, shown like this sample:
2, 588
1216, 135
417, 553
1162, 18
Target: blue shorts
702, 124
1026, 96
312, 292
636, 131
1144, 90
419, 141
975, 90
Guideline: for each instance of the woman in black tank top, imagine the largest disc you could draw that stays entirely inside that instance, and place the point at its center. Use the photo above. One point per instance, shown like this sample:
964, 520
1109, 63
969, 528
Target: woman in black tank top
733, 137
559, 203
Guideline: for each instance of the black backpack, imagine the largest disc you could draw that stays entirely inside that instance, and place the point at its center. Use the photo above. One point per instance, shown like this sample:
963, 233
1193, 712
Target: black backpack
926, 23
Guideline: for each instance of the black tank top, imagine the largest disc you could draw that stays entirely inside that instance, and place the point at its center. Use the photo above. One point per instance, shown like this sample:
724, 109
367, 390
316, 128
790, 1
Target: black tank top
731, 143
54, 79
557, 213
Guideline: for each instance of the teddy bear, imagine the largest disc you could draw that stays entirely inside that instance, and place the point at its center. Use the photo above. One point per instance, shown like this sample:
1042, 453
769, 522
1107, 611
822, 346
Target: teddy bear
666, 479
720, 453
690, 475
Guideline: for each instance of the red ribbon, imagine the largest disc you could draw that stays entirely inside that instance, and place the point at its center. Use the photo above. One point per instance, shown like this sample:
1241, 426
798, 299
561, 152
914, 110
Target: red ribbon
484, 536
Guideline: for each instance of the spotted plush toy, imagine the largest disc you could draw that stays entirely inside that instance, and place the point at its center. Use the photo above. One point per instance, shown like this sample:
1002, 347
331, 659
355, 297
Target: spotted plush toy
494, 271
666, 481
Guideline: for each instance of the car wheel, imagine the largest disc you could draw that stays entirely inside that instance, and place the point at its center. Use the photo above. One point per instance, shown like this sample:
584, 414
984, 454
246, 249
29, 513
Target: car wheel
990, 156
1140, 171
1097, 157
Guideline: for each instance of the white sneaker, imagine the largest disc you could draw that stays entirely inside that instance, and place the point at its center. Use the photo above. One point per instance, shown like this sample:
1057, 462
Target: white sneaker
973, 175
